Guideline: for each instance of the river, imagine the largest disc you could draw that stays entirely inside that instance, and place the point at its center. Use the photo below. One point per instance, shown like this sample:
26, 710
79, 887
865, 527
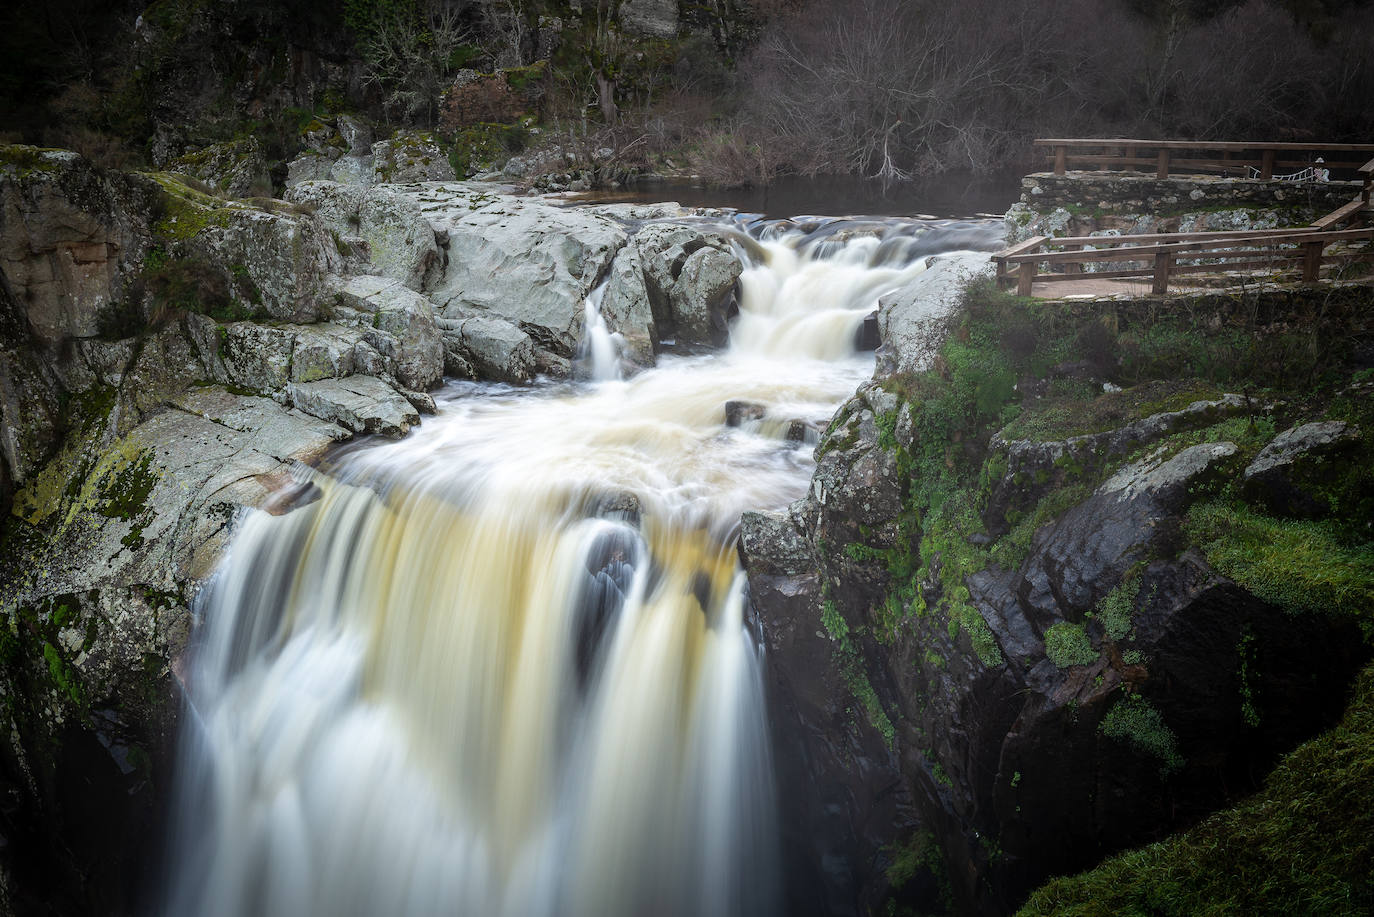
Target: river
505, 666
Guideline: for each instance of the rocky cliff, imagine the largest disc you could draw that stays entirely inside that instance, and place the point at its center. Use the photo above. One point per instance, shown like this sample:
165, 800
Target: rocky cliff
1073, 576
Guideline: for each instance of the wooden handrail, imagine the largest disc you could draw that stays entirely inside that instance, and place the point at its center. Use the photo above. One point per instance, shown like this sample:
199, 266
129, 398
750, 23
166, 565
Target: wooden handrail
1115, 151
1254, 250
1234, 146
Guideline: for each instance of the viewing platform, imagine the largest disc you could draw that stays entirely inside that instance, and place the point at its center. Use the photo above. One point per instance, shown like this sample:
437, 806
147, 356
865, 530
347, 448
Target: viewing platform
1212, 215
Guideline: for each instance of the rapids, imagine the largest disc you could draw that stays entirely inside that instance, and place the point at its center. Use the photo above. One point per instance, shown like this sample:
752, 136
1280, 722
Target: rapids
504, 666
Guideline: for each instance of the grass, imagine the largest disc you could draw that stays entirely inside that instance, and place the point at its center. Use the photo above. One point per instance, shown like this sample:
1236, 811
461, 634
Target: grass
1303, 845
1067, 644
1301, 566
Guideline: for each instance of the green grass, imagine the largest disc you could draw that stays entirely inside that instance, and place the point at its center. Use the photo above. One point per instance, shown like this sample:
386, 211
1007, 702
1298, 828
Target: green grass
1300, 566
1303, 845
1135, 720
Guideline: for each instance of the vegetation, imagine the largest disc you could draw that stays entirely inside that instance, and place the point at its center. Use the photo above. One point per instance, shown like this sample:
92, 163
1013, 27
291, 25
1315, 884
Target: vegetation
1302, 845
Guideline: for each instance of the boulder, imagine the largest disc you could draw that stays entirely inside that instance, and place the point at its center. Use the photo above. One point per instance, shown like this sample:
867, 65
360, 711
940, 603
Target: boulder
234, 168
526, 262
71, 238
406, 331
913, 321
410, 156
358, 403
626, 309
256, 357
1293, 474
396, 240
272, 262
491, 347
689, 275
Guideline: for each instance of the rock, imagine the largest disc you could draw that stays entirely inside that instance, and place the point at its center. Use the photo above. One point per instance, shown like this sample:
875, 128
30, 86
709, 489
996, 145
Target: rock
412, 341
700, 309
771, 544
655, 18
410, 156
256, 357
270, 262
359, 403
494, 348
310, 166
31, 415
353, 170
234, 168
692, 304
526, 262
737, 413
1035, 468
357, 136
322, 351
397, 241
913, 322
1292, 475
71, 237
626, 308
1102, 538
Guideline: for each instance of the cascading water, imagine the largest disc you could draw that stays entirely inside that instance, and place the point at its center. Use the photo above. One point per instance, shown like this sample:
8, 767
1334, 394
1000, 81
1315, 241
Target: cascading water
502, 667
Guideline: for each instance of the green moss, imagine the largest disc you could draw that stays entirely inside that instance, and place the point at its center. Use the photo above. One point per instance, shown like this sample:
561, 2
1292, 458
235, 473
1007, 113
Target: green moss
186, 212
25, 161
1301, 566
1116, 607
1302, 845
1135, 720
1067, 644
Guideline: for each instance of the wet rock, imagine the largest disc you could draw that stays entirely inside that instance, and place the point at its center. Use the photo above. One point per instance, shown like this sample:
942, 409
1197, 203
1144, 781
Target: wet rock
868, 337
738, 413
495, 349
359, 403
410, 156
522, 261
913, 322
1292, 475
292, 497
771, 544
625, 306
689, 275
1101, 539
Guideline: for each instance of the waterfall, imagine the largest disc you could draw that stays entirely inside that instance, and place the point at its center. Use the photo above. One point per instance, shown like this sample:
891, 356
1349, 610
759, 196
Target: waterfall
502, 667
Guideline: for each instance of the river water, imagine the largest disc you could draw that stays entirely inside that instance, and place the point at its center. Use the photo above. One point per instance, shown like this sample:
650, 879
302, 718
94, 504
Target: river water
504, 666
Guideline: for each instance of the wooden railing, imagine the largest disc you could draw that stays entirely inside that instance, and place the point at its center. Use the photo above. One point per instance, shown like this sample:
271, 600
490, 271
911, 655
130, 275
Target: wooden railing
1182, 156
1160, 257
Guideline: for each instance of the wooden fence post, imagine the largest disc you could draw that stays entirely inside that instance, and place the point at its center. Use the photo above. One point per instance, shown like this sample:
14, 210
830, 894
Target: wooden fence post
1025, 278
1312, 261
1267, 165
1163, 170
1073, 267
1163, 260
1061, 159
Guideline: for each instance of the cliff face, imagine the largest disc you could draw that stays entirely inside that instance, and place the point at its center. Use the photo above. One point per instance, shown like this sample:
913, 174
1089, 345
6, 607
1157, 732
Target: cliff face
1075, 619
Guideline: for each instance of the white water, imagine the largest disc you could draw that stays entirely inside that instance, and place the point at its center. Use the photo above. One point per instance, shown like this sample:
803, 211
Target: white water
502, 666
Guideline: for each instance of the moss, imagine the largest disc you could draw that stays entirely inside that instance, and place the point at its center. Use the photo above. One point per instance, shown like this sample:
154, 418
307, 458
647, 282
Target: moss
1303, 567
186, 212
1116, 607
1067, 644
26, 161
1302, 845
1135, 720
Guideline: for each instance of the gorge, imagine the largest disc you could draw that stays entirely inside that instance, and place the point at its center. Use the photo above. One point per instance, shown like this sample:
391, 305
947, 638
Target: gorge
675, 599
